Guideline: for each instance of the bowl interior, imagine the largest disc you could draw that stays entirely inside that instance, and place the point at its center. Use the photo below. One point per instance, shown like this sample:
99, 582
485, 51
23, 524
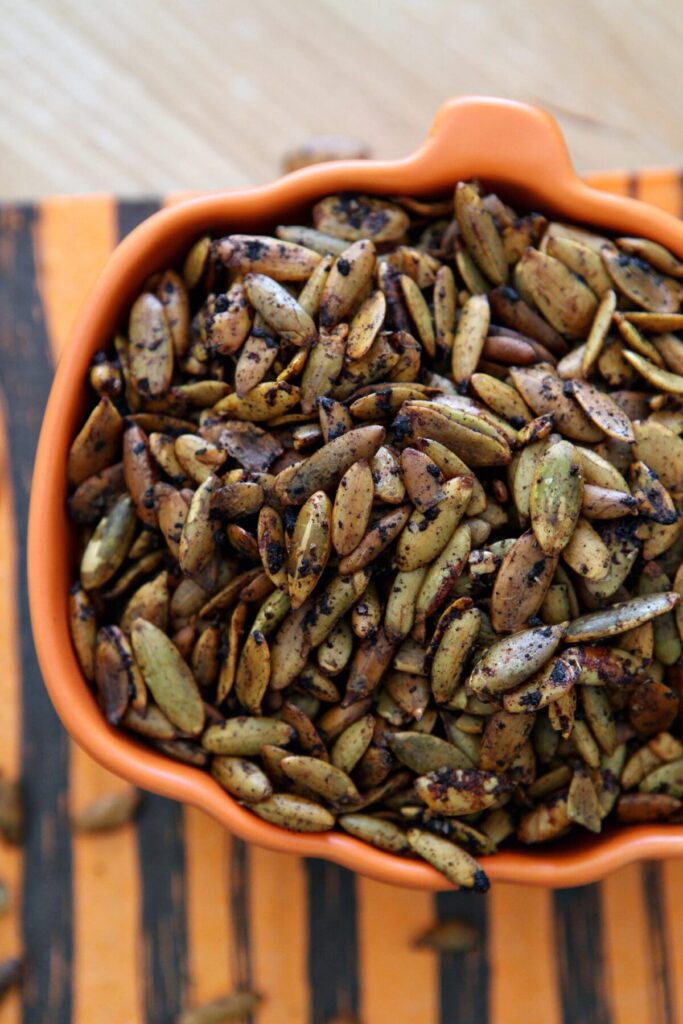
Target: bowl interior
471, 138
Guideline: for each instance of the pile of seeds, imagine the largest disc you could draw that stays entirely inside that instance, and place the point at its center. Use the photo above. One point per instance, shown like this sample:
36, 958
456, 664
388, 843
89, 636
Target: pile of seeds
380, 523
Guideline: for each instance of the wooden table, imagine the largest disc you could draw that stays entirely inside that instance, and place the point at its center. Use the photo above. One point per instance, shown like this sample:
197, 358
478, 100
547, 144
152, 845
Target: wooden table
127, 927
145, 98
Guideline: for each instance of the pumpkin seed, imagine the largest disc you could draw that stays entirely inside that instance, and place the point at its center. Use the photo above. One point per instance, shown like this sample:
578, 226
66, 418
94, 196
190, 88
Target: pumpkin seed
111, 811
458, 866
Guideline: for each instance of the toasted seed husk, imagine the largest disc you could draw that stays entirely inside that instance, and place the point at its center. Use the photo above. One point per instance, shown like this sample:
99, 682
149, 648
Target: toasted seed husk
386, 477
662, 380
426, 535
500, 397
197, 549
469, 339
454, 791
323, 778
96, 446
424, 753
357, 217
549, 683
349, 275
543, 392
476, 447
583, 260
109, 544
168, 677
371, 660
309, 548
334, 653
480, 233
566, 302
311, 238
96, 494
352, 507
661, 450
456, 864
445, 304
603, 411
333, 602
151, 347
241, 778
419, 312
379, 832
555, 496
667, 778
640, 283
602, 503
279, 259
297, 813
378, 537
244, 737
583, 807
83, 629
636, 808
503, 737
324, 364
353, 742
454, 638
511, 660
544, 822
326, 466
521, 583
453, 935
620, 617
586, 552
107, 812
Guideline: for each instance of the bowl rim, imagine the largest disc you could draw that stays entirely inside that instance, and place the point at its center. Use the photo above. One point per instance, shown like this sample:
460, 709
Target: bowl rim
520, 149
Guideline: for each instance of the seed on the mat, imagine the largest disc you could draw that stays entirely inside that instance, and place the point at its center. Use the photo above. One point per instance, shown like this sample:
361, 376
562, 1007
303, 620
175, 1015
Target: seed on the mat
107, 812
11, 811
453, 935
233, 1007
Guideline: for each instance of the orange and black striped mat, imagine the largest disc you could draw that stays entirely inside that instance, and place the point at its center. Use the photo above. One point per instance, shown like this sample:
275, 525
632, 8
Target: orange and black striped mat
131, 926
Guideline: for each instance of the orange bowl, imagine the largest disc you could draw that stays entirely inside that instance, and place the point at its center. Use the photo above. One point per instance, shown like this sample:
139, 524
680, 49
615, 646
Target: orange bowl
514, 148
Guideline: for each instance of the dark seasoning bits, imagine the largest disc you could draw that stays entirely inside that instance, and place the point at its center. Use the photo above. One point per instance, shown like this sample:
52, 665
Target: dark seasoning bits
380, 524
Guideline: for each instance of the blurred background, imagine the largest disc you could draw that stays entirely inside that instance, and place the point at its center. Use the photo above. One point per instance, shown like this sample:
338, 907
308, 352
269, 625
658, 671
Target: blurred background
147, 97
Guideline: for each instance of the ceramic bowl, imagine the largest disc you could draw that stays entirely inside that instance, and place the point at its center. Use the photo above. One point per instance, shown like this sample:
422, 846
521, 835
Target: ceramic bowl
517, 150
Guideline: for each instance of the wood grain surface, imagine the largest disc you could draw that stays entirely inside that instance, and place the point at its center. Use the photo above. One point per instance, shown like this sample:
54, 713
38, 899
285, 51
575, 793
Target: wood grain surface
143, 97
131, 926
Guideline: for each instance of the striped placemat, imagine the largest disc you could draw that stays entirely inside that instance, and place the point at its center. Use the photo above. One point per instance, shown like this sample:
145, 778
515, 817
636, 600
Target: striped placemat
129, 927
